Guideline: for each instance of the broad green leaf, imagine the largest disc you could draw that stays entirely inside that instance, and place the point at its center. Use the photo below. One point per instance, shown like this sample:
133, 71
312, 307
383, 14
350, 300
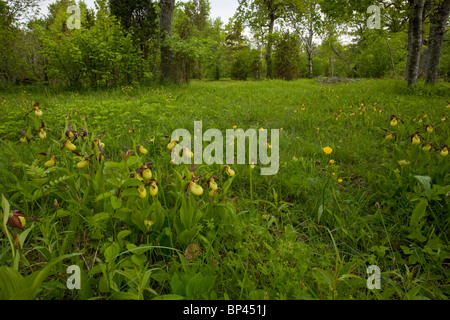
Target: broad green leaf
418, 213
426, 183
116, 203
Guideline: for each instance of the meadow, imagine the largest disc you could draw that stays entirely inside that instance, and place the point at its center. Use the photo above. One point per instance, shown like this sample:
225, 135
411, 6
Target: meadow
364, 180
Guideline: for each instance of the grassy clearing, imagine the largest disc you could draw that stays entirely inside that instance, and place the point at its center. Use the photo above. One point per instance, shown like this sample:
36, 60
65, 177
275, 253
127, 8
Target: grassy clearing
310, 232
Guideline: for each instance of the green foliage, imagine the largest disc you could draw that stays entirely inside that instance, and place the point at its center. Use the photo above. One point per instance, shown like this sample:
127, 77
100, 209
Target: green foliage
307, 233
287, 57
99, 56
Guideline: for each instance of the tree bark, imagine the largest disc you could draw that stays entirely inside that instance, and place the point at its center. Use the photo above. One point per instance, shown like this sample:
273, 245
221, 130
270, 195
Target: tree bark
343, 59
437, 33
165, 19
269, 45
309, 48
415, 39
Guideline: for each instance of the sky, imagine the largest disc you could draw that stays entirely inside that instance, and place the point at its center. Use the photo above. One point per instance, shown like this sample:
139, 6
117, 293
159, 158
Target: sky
224, 9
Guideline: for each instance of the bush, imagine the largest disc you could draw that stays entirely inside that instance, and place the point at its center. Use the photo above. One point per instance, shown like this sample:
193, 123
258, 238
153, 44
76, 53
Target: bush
287, 57
100, 56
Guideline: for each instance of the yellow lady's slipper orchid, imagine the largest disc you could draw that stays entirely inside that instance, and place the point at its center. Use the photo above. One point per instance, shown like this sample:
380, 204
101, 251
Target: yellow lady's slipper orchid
70, 146
22, 220
142, 192
189, 153
147, 174
195, 189
444, 152
229, 171
83, 163
430, 129
389, 137
416, 139
171, 145
212, 184
426, 147
24, 139
42, 134
38, 112
142, 150
394, 122
154, 189
50, 163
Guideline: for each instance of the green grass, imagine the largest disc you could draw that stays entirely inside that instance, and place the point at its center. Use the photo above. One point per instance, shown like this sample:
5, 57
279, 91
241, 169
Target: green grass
305, 235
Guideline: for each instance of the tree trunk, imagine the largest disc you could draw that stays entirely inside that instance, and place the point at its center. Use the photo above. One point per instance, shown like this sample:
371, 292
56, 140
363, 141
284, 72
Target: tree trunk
392, 58
165, 19
269, 45
343, 59
309, 48
437, 33
415, 38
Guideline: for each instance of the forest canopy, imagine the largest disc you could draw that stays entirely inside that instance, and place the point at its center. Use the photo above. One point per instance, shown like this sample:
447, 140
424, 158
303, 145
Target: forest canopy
130, 41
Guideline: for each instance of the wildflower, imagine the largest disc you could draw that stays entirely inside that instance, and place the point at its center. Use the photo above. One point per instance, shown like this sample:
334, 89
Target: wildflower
444, 118
212, 184
83, 163
50, 163
195, 189
234, 127
332, 161
403, 162
188, 153
430, 129
142, 192
415, 139
42, 133
394, 121
69, 145
340, 180
25, 138
171, 145
444, 151
143, 150
17, 219
37, 111
153, 188
427, 147
147, 174
327, 150
229, 171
